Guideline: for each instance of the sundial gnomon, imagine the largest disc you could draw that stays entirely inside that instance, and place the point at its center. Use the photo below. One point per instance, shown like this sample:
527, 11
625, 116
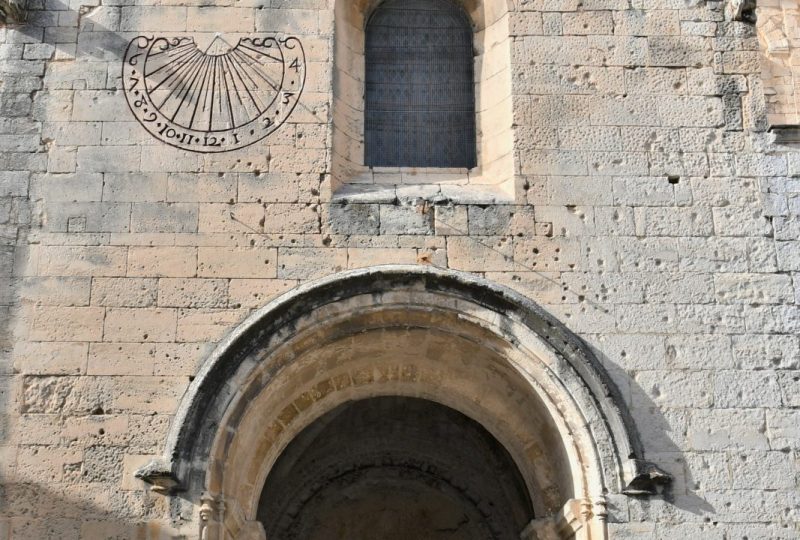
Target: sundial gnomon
219, 98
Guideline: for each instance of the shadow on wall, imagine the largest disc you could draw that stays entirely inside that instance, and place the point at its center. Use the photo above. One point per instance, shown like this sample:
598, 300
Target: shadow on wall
32, 506
659, 435
34, 512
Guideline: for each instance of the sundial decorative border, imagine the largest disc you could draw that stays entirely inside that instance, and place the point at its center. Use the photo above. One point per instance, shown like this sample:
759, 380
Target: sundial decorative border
214, 100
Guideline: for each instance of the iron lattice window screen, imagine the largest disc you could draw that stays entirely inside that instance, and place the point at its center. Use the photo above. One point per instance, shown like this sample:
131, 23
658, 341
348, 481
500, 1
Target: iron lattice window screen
420, 94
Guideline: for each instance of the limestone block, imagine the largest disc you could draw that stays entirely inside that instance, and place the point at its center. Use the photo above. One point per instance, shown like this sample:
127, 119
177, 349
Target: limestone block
746, 389
206, 325
99, 105
192, 292
625, 111
683, 288
124, 292
691, 111
164, 217
652, 22
547, 254
699, 351
665, 221
578, 190
784, 428
50, 358
788, 255
362, 257
489, 253
587, 22
108, 158
62, 291
351, 218
291, 218
162, 261
219, 19
191, 187
756, 351
308, 263
451, 220
137, 325
761, 165
673, 389
73, 133
740, 221
153, 18
240, 218
647, 318
411, 218
88, 217
790, 387
97, 47
134, 187
655, 81
707, 319
501, 220
708, 470
753, 288
253, 293
221, 262
647, 254
120, 359
679, 51
584, 317
81, 260
603, 138
289, 21
542, 287
727, 429
44, 464
14, 183
619, 50
562, 50
568, 221
764, 470
52, 323
164, 158
556, 80
555, 162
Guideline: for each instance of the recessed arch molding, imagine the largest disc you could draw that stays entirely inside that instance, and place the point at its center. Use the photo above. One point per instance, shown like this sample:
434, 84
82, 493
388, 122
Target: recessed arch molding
476, 347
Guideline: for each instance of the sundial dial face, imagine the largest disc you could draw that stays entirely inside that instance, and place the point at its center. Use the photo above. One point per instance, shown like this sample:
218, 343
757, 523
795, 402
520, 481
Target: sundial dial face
221, 98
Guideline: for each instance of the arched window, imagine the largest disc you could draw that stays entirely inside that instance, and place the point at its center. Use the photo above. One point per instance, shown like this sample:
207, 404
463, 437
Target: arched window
420, 93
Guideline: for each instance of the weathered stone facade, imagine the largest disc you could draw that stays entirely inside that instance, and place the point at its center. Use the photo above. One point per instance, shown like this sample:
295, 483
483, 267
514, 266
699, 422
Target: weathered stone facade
629, 190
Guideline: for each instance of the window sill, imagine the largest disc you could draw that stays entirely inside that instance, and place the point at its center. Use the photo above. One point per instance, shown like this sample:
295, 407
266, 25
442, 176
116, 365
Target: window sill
435, 193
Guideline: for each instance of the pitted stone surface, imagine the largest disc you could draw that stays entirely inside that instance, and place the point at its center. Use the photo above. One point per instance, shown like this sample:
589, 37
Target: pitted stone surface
646, 206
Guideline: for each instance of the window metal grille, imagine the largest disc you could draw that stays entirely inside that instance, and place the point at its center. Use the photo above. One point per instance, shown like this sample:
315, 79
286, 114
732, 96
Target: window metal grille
420, 94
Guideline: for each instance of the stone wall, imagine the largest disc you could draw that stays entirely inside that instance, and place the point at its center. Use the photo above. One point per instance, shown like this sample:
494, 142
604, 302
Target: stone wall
652, 214
779, 37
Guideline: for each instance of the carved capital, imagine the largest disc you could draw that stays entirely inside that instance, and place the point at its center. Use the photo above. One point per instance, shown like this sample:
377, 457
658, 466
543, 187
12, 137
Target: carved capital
741, 10
160, 477
646, 478
12, 11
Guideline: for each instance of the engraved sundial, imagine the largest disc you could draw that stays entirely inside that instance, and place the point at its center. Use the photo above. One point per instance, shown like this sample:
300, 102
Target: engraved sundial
223, 97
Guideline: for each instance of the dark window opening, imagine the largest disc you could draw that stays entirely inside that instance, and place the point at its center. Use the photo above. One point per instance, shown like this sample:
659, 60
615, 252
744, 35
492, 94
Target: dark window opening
420, 93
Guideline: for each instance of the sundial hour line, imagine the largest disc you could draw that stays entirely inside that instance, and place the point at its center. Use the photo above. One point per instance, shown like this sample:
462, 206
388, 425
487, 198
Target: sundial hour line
250, 61
176, 62
202, 100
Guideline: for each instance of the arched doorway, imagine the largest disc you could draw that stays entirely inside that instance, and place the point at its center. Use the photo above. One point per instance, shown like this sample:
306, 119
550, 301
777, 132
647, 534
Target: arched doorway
451, 340
394, 468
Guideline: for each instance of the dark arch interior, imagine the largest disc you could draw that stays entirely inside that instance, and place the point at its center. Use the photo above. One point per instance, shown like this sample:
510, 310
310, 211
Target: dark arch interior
394, 468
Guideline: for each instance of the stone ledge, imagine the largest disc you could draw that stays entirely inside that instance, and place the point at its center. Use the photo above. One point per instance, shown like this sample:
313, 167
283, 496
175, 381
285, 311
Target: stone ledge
439, 194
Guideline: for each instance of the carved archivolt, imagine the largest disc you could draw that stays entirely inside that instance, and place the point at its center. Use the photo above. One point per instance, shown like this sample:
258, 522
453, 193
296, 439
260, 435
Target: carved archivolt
411, 331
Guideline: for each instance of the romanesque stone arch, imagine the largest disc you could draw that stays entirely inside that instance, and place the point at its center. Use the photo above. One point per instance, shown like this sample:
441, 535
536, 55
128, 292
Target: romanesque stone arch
448, 337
